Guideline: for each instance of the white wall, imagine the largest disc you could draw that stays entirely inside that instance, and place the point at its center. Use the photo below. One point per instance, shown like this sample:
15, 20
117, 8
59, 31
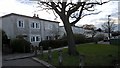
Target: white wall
76, 30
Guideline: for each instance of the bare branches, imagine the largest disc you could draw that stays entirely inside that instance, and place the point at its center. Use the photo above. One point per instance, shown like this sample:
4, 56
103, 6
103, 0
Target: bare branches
75, 8
69, 9
110, 26
55, 14
97, 3
86, 6
90, 14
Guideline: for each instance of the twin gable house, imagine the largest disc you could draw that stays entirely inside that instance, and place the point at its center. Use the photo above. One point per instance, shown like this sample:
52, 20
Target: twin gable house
33, 28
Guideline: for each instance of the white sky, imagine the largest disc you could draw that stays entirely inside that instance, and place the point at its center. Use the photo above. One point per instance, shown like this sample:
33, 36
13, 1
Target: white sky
14, 6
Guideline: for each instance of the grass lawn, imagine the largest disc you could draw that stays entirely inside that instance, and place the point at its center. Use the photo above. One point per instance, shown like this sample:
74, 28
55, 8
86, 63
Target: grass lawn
95, 55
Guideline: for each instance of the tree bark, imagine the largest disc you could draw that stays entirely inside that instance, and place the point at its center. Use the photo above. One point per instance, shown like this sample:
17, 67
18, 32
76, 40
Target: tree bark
70, 36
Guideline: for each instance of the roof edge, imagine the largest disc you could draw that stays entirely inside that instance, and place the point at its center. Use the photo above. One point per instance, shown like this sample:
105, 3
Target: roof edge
27, 17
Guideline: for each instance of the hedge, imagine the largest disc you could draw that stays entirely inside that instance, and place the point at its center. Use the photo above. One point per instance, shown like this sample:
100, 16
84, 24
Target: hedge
79, 39
53, 43
115, 41
20, 45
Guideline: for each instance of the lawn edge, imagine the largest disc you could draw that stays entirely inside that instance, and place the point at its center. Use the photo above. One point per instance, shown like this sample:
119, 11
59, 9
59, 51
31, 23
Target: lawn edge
43, 62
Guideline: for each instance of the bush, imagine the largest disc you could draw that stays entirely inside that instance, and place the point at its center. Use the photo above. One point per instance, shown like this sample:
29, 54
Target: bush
4, 38
100, 37
53, 43
20, 45
115, 41
88, 40
79, 38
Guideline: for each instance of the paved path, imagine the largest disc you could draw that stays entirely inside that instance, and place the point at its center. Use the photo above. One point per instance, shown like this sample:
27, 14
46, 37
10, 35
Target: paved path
17, 55
102, 42
23, 62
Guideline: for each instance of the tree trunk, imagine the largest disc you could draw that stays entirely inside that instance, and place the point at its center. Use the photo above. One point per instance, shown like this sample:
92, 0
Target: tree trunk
70, 37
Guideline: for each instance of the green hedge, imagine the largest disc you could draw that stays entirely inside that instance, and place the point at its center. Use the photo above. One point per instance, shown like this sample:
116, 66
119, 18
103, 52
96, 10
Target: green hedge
20, 45
115, 41
4, 38
53, 43
79, 39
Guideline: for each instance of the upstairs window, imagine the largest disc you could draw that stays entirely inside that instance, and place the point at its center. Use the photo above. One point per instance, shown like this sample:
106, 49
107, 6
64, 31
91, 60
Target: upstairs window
35, 25
20, 24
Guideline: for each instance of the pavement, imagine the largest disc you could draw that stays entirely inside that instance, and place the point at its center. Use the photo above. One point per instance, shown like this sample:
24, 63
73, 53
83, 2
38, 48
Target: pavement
20, 60
102, 42
17, 56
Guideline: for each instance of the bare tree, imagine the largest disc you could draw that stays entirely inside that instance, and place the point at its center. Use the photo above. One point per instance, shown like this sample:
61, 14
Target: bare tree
109, 27
67, 9
90, 29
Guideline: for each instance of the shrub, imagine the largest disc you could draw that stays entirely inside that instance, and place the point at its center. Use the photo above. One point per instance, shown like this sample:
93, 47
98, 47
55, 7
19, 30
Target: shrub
100, 37
4, 38
115, 41
53, 43
88, 40
79, 38
20, 45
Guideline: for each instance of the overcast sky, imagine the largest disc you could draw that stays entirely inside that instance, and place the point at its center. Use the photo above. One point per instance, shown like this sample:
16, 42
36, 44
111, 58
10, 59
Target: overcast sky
15, 6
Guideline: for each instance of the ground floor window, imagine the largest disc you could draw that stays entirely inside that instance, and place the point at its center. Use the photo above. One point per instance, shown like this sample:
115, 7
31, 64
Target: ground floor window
35, 38
48, 37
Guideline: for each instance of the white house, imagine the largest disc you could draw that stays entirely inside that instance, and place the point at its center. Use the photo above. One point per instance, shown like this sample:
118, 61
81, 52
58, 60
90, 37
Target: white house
76, 30
34, 29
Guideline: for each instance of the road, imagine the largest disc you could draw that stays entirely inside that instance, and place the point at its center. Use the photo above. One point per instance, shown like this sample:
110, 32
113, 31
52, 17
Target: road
22, 63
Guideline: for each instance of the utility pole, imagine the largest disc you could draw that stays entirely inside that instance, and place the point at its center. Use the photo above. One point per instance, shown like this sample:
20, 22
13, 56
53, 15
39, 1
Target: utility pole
109, 29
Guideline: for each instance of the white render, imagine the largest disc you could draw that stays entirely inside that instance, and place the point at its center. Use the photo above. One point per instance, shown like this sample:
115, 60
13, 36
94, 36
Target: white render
11, 26
79, 30
76, 30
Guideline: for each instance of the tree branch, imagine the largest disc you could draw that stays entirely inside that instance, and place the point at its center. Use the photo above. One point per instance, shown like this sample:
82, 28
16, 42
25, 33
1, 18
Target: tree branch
79, 17
86, 8
75, 8
97, 3
90, 14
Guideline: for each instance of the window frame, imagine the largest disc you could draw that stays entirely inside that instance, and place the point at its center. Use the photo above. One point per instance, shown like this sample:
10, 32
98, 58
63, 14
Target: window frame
34, 25
35, 38
20, 22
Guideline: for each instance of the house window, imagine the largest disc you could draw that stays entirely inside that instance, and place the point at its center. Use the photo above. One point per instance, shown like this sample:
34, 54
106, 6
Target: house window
32, 39
32, 25
48, 38
35, 38
20, 23
35, 25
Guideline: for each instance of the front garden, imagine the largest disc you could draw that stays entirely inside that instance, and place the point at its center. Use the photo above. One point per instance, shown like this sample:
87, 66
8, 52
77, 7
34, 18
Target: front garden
95, 55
